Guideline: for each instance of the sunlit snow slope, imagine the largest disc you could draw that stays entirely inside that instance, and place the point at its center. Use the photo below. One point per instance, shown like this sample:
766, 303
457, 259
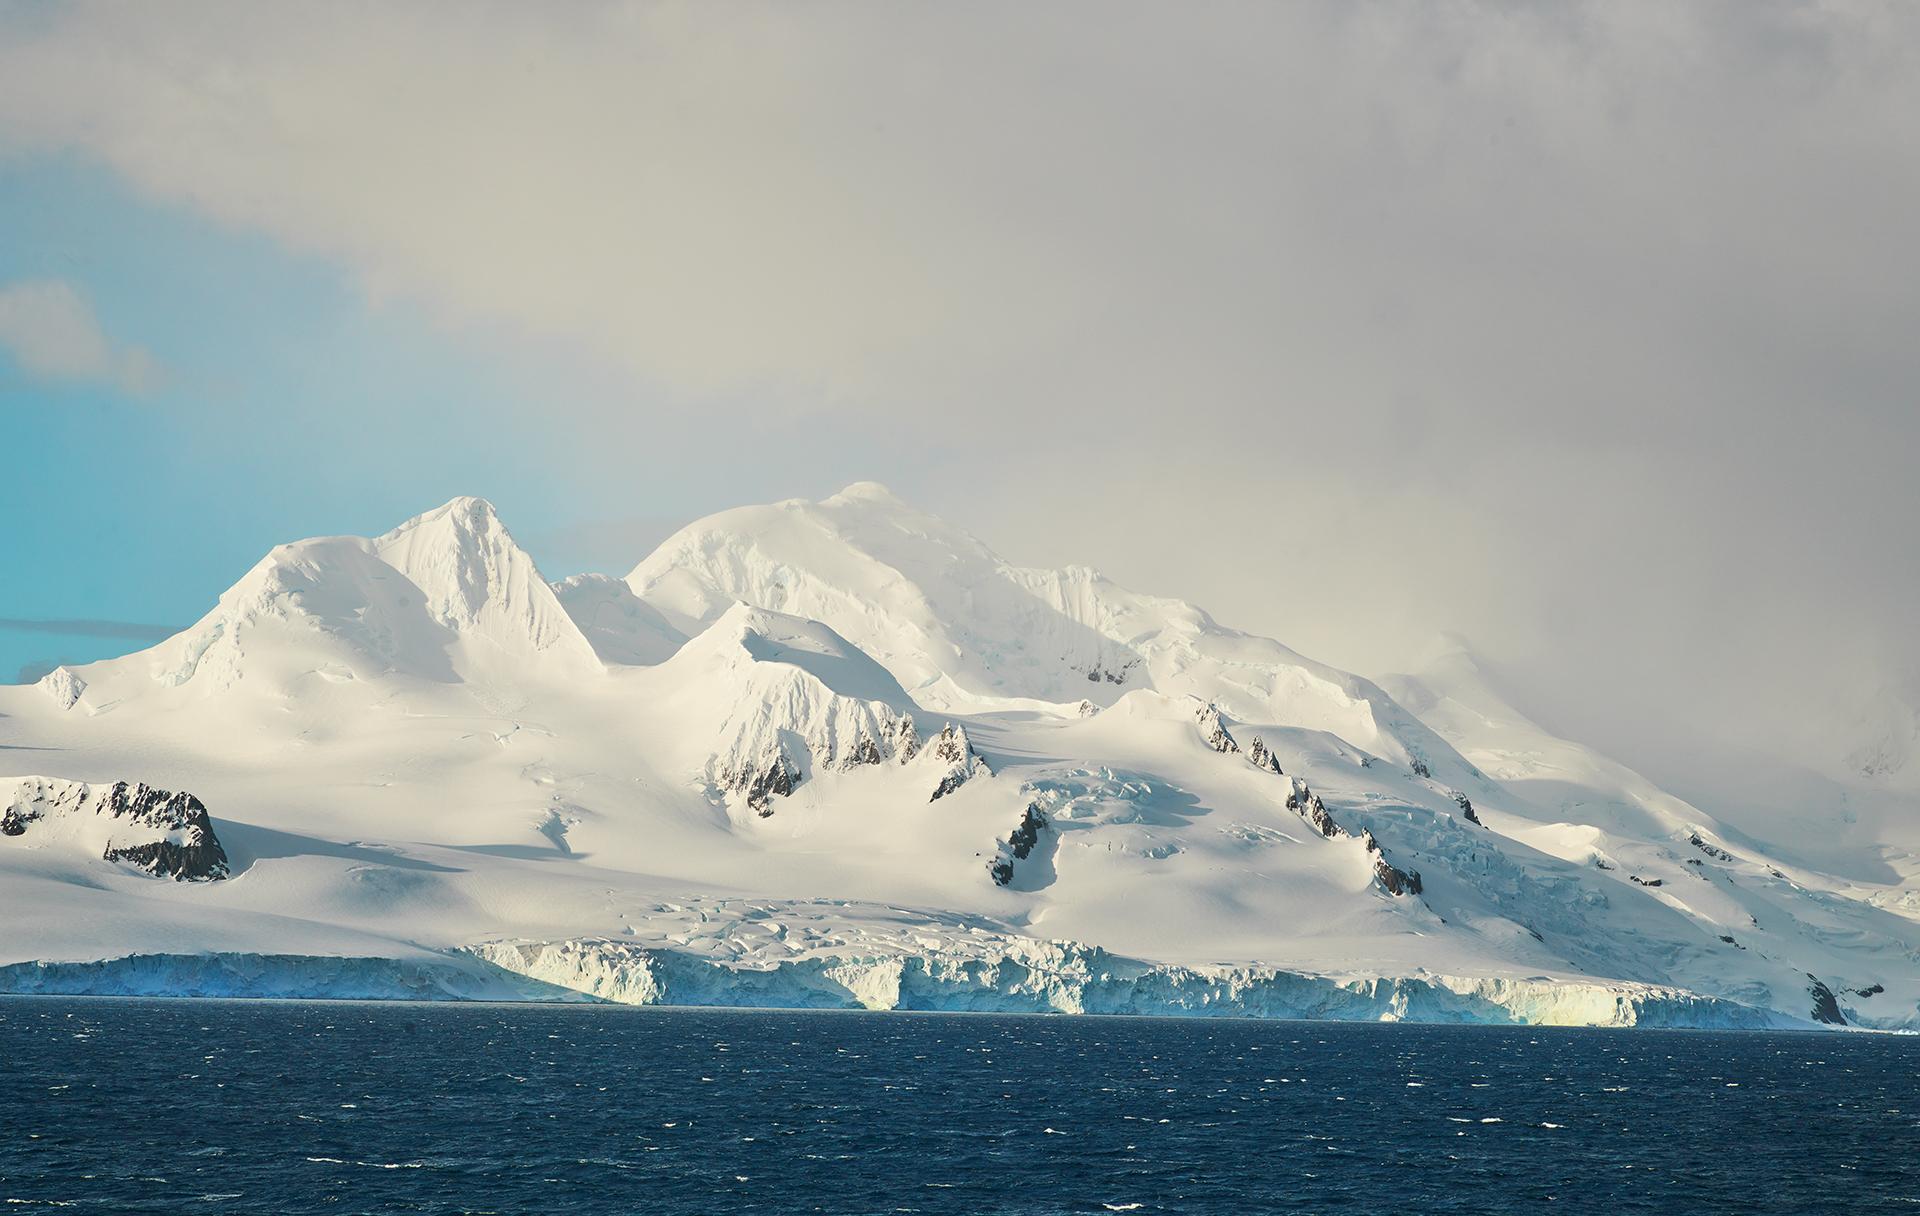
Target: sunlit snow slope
840, 754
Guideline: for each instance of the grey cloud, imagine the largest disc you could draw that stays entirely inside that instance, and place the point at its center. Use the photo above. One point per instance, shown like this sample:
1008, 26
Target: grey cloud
90, 628
31, 671
49, 329
1584, 330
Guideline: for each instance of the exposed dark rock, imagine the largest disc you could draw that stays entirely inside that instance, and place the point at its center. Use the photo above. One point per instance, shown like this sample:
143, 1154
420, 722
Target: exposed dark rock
1307, 804
1601, 863
1466, 808
14, 822
1087, 709
1023, 838
779, 771
1096, 674
1304, 802
777, 778
1018, 845
1647, 882
952, 746
1396, 880
1213, 731
906, 740
1420, 768
181, 862
197, 856
1825, 1008
1870, 990
1262, 759
1713, 851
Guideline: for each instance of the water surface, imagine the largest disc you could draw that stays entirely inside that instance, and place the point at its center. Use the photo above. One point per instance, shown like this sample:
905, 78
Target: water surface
230, 1106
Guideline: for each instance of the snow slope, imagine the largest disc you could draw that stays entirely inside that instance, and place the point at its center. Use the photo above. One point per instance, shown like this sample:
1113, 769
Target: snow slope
964, 630
840, 754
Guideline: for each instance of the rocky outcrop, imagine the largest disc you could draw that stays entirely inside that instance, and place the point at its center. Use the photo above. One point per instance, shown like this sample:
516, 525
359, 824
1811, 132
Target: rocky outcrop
1018, 846
1395, 880
1713, 851
954, 750
906, 739
1262, 759
1307, 804
1213, 731
760, 784
1826, 1009
188, 850
848, 735
166, 834
1466, 808
864, 751
788, 727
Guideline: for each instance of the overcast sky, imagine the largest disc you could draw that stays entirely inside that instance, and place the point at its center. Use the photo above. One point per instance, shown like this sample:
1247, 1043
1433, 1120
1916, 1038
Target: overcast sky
1587, 332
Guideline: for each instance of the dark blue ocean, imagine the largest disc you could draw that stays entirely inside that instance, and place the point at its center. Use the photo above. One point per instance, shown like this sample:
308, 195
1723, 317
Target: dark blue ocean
204, 1106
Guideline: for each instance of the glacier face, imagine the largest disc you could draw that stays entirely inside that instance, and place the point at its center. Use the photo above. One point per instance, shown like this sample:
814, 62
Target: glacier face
839, 754
1021, 975
1001, 975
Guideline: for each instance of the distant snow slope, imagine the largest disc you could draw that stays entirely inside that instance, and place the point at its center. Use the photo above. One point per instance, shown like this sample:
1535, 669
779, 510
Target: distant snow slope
621, 627
961, 628
838, 753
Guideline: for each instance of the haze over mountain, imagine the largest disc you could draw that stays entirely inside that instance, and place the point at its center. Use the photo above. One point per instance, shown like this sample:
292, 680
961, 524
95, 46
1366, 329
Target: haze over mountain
841, 753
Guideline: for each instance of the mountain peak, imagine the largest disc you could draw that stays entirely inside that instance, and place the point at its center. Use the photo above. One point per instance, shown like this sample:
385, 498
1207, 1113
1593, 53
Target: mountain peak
464, 513
476, 577
867, 492
458, 554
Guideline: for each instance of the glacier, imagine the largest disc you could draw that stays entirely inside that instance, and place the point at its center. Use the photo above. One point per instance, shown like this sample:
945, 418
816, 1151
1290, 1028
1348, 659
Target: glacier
1024, 976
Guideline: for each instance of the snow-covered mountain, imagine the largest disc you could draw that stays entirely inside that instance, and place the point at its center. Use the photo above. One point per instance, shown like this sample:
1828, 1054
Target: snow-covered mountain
839, 753
965, 631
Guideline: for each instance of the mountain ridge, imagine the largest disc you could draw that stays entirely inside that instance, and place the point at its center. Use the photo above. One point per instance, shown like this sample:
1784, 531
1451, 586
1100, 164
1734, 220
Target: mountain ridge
860, 721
